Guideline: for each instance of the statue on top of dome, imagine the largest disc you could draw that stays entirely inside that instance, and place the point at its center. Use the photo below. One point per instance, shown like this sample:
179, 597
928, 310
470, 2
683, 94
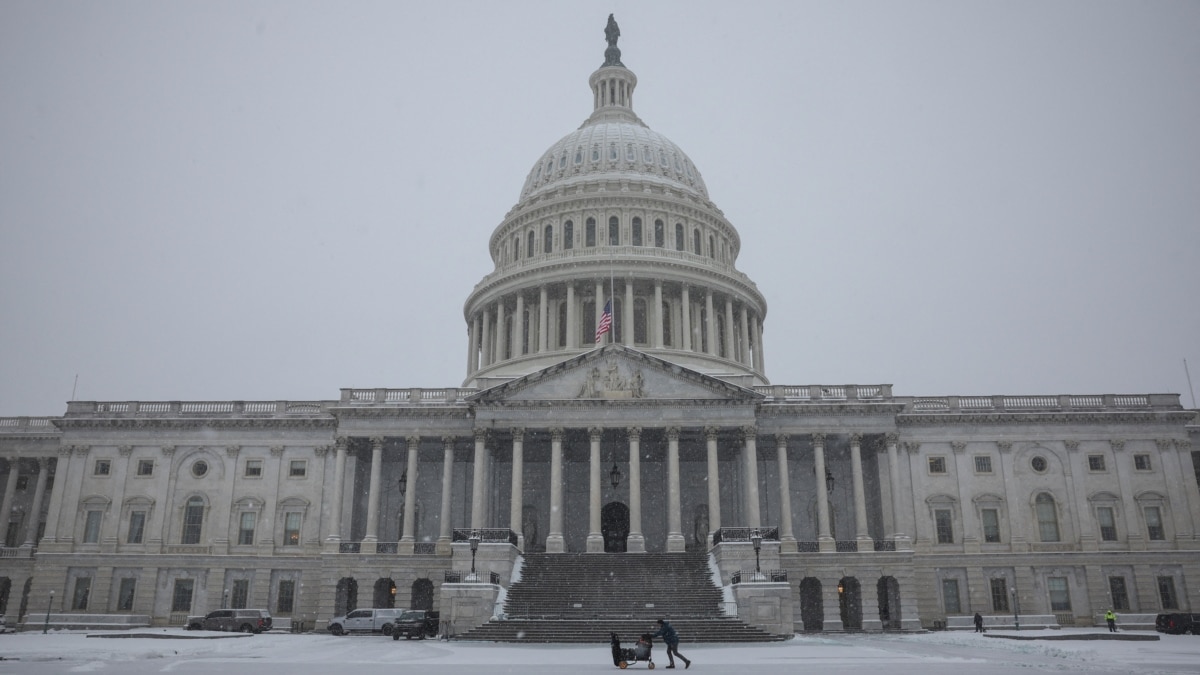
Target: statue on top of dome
612, 55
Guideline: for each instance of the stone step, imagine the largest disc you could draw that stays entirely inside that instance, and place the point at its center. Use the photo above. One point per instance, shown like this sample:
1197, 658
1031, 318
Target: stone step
598, 631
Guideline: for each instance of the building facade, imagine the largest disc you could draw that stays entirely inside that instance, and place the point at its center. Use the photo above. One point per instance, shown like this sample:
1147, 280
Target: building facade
615, 400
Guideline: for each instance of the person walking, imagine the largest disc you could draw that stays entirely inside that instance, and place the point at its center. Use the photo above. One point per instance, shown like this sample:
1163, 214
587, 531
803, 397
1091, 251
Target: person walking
1111, 618
978, 622
667, 632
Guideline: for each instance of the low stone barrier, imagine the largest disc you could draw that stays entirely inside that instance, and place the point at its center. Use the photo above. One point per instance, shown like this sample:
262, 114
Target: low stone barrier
1128, 621
1003, 622
86, 622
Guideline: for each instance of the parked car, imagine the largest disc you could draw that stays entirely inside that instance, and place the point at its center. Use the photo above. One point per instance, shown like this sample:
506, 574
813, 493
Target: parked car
369, 620
236, 620
416, 623
1177, 623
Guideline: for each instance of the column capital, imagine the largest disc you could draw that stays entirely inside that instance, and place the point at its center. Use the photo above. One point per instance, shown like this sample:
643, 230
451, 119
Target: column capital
233, 450
125, 450
781, 441
912, 448
595, 433
1004, 446
673, 434
413, 441
1117, 445
711, 433
43, 463
818, 440
556, 434
82, 450
66, 450
320, 450
749, 432
341, 443
891, 438
448, 441
1163, 444
277, 451
1183, 444
856, 439
634, 433
959, 447
1071, 446
518, 434
377, 442
168, 450
480, 435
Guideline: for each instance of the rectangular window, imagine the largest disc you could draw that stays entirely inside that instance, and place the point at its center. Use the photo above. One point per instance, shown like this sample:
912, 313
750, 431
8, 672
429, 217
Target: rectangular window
983, 464
23, 482
181, 597
246, 529
1141, 462
91, 527
1060, 594
137, 527
999, 588
10, 535
937, 465
253, 468
83, 588
1166, 593
1154, 526
145, 467
950, 596
1108, 523
193, 521
1120, 596
103, 467
991, 526
287, 596
241, 593
125, 594
291, 529
945, 526
1095, 462
298, 468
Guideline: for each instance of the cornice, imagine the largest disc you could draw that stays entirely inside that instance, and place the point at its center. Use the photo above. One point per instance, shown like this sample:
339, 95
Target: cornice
456, 411
195, 423
1102, 417
856, 409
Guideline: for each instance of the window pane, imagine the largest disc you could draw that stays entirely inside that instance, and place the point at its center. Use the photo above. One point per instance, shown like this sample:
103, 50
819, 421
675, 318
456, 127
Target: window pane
193, 519
1166, 593
1096, 462
125, 594
945, 527
241, 592
298, 468
137, 526
145, 467
1141, 462
181, 598
983, 464
1047, 516
991, 526
253, 468
950, 595
937, 465
291, 530
83, 587
1154, 528
91, 529
287, 594
1108, 524
999, 588
246, 529
1060, 596
1120, 596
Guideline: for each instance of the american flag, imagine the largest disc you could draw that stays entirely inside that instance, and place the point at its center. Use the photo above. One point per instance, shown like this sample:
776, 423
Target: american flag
605, 322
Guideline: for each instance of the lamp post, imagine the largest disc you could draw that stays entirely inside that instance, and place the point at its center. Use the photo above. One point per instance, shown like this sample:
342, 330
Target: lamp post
614, 476
756, 540
1016, 609
828, 480
474, 547
46, 627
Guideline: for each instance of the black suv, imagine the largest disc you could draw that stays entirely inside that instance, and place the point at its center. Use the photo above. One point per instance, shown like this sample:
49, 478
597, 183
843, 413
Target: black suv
416, 623
234, 620
1177, 624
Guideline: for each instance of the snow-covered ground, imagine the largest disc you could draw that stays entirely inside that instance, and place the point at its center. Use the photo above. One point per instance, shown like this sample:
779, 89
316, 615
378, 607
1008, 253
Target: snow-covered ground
178, 651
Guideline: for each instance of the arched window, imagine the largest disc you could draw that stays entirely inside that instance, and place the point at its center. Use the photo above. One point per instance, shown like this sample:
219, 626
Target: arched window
637, 231
639, 321
568, 235
679, 236
531, 246
660, 236
722, 348
614, 231
516, 248
193, 521
579, 155
696, 242
665, 310
589, 232
712, 247
562, 324
1047, 517
548, 239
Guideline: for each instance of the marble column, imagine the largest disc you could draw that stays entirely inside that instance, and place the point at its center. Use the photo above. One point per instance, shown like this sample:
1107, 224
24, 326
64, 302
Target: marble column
658, 314
599, 311
472, 343
1016, 536
477, 483
519, 335
710, 323
501, 334
675, 540
627, 315
444, 530
543, 312
860, 498
753, 501
1179, 513
10, 486
485, 341
635, 542
35, 508
339, 479
760, 364
410, 493
595, 539
711, 435
787, 536
554, 539
901, 528
825, 542
744, 337
516, 508
685, 329
730, 346
572, 322
373, 493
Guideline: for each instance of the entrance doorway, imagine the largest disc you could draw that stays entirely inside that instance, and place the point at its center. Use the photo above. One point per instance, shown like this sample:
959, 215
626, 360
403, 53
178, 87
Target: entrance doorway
614, 526
850, 602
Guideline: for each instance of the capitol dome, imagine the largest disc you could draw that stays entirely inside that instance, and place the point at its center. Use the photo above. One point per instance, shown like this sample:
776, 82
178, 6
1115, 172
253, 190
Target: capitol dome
614, 215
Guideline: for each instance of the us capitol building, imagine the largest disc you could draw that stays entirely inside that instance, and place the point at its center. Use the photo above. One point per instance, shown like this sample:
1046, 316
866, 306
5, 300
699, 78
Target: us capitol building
656, 431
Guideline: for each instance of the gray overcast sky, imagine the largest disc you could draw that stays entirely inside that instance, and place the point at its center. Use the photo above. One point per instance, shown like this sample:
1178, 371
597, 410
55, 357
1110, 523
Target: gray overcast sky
261, 200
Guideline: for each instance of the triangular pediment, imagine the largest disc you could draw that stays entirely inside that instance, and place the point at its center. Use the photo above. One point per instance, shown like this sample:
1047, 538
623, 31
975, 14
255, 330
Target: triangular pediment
615, 373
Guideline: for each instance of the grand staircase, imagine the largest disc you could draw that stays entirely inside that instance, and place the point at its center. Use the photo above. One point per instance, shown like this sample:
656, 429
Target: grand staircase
584, 597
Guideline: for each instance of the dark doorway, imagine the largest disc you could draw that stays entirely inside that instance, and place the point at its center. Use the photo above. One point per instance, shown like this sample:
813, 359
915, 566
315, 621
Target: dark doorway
422, 594
345, 597
889, 603
385, 593
614, 525
812, 611
850, 603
